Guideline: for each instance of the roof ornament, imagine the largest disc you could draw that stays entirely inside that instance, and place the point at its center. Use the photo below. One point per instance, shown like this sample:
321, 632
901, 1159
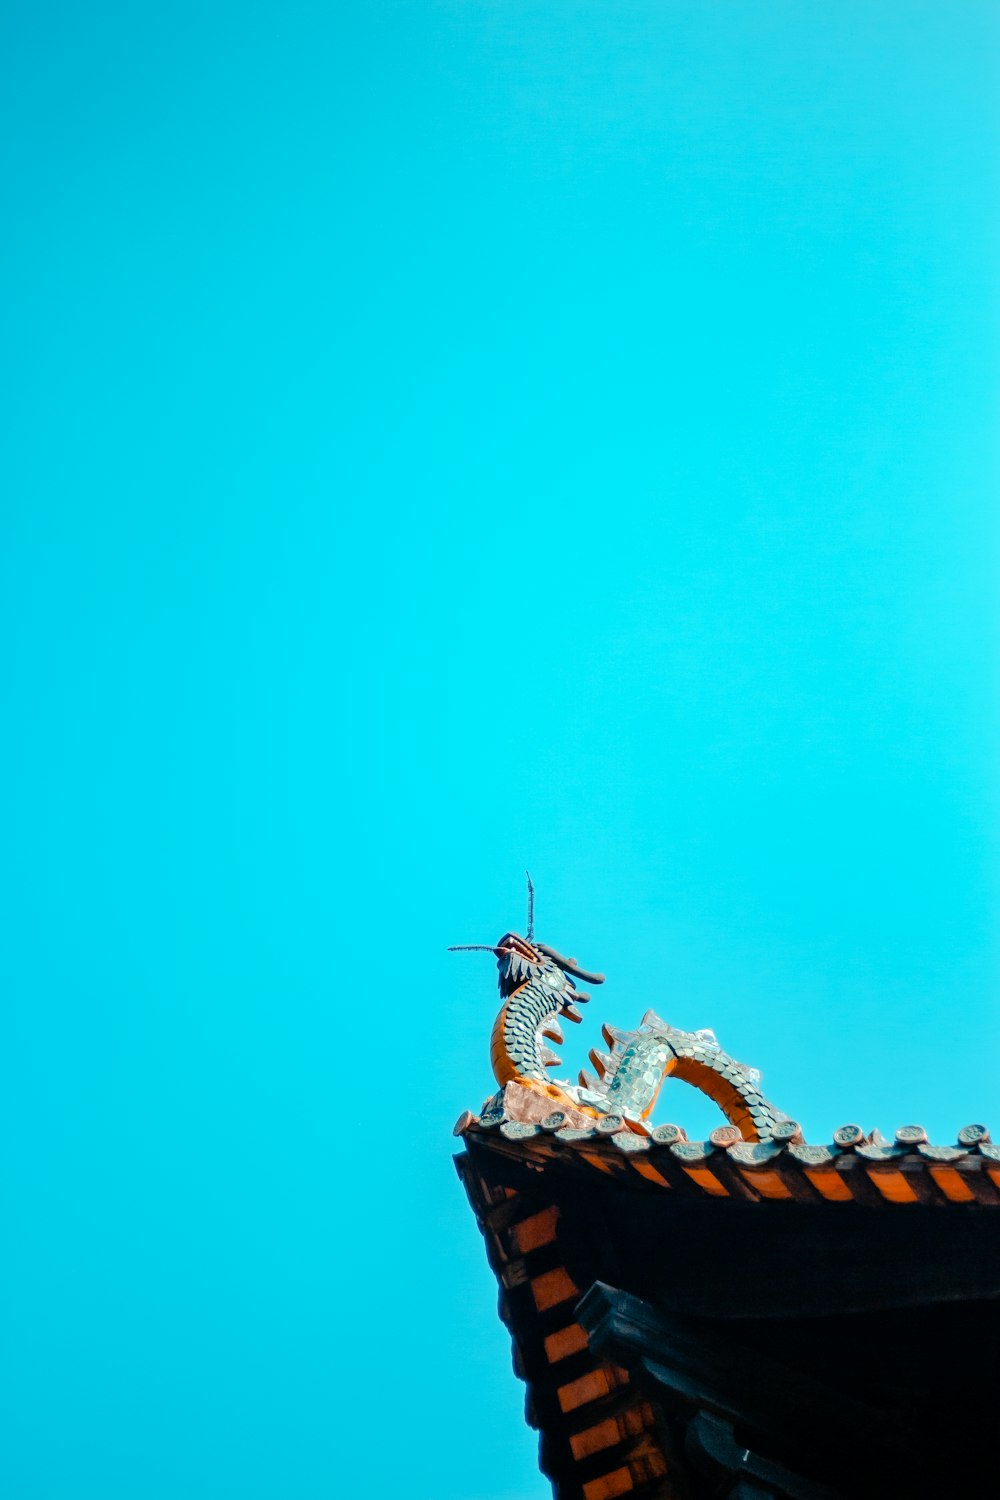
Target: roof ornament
538, 993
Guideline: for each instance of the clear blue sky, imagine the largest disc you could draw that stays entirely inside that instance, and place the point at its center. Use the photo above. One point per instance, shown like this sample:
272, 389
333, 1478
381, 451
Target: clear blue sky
439, 440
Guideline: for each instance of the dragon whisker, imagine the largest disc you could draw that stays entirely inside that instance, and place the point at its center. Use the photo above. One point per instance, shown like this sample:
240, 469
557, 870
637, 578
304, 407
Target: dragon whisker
479, 948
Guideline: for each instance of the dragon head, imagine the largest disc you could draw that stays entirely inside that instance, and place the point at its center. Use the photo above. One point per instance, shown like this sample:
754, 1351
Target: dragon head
537, 992
520, 959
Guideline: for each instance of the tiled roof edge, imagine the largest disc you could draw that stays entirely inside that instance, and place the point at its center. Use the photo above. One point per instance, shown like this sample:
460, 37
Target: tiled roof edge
852, 1168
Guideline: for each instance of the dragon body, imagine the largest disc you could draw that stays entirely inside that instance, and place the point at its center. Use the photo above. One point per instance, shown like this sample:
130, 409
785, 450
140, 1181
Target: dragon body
537, 993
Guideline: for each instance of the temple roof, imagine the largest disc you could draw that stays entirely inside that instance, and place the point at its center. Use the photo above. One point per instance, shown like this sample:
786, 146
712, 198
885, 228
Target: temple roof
751, 1316
721, 1319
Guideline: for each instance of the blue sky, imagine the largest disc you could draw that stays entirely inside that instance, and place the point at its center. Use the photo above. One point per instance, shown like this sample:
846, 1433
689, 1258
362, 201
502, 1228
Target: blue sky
443, 440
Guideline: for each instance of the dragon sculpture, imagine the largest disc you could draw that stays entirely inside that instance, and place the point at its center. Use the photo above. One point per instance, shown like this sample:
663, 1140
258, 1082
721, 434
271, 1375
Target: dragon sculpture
537, 993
